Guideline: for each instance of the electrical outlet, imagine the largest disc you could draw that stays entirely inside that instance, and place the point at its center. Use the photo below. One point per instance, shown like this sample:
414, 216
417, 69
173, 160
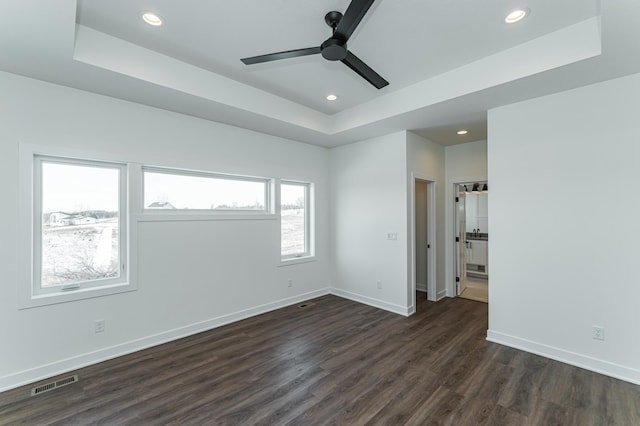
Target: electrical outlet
379, 284
99, 326
392, 236
597, 332
290, 283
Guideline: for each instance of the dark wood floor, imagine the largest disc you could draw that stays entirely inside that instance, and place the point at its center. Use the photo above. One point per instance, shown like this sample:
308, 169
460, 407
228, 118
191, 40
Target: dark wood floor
335, 362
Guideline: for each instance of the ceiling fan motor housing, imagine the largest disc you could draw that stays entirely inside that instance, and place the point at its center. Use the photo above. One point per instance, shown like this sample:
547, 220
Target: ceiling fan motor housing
334, 49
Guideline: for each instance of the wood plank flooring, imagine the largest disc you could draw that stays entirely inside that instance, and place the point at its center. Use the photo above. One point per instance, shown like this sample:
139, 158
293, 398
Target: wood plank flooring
334, 362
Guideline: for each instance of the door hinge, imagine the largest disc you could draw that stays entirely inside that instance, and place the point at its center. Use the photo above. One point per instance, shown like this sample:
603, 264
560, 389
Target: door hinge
457, 239
457, 199
457, 279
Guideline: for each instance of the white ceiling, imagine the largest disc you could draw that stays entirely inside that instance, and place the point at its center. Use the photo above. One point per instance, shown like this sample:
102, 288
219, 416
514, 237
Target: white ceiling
447, 62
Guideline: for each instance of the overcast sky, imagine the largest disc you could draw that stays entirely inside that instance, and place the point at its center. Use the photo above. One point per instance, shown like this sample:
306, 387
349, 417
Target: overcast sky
71, 188
198, 192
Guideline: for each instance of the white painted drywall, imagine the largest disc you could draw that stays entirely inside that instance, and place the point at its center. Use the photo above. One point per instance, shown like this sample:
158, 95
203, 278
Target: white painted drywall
466, 160
192, 275
463, 163
369, 201
563, 244
425, 160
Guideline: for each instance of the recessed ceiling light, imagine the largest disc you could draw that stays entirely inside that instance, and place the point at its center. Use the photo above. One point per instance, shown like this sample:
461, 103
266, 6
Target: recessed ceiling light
152, 19
331, 97
516, 15
463, 132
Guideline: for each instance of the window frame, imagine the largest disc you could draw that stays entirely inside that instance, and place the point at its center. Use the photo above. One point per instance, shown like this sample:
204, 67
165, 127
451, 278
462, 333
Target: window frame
207, 214
309, 236
31, 293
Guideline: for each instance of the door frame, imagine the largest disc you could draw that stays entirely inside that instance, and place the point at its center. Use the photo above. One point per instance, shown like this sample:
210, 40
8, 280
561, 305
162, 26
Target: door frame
450, 229
460, 271
431, 238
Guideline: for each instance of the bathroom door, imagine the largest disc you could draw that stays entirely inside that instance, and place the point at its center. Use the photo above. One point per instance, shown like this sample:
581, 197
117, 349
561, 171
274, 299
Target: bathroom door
461, 238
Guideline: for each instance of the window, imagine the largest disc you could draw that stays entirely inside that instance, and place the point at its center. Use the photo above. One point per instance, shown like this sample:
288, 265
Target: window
295, 220
80, 225
169, 190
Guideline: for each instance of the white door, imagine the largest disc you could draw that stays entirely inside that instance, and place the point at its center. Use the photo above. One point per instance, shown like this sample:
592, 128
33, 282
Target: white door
461, 241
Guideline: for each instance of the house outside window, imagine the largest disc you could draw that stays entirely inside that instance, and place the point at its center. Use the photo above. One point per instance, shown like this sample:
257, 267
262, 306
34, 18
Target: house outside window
180, 191
295, 215
79, 228
79, 224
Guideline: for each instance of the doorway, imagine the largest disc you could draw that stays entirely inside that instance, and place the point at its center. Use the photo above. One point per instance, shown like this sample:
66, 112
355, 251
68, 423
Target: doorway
472, 239
423, 236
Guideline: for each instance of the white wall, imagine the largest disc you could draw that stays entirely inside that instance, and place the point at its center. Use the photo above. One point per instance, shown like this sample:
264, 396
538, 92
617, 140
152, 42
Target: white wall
368, 201
425, 160
563, 252
192, 275
463, 163
467, 160
574, 272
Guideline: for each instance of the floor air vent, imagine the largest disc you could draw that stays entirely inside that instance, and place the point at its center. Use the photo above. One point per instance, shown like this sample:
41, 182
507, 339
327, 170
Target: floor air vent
53, 385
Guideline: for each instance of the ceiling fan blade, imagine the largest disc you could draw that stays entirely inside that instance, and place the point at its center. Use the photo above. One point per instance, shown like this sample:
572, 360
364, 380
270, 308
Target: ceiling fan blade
353, 62
281, 55
352, 17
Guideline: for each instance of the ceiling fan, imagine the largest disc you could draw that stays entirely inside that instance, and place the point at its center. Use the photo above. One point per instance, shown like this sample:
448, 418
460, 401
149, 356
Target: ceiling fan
335, 47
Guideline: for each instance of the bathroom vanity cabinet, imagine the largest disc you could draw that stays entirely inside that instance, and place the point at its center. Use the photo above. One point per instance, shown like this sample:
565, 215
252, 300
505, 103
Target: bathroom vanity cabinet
477, 212
477, 257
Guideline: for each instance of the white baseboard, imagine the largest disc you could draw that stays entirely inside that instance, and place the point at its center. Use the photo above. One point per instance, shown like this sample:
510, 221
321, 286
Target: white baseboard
66, 365
583, 361
441, 294
421, 287
396, 309
411, 310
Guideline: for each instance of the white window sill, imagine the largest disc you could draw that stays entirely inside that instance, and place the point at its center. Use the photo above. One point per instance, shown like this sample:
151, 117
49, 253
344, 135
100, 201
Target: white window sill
34, 301
176, 217
297, 260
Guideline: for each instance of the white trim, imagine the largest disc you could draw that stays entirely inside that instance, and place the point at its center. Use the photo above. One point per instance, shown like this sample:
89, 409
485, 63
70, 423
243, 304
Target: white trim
449, 226
158, 216
69, 364
441, 294
309, 218
421, 287
376, 303
123, 221
267, 195
411, 310
611, 369
296, 260
27, 297
431, 237
167, 170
